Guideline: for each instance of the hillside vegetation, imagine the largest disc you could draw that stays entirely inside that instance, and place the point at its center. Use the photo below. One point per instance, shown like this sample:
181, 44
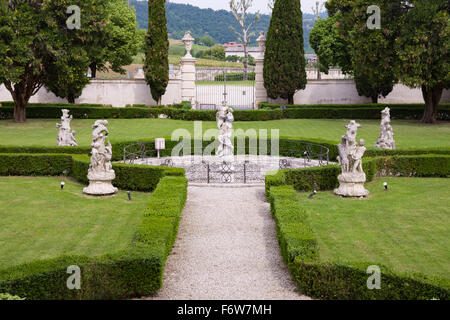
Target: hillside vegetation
201, 22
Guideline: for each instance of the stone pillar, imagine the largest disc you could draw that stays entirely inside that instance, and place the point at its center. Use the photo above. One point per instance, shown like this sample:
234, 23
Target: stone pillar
260, 90
188, 71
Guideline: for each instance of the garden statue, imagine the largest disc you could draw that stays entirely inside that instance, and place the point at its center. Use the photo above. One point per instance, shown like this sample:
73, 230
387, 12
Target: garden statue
225, 120
352, 178
386, 139
65, 137
100, 174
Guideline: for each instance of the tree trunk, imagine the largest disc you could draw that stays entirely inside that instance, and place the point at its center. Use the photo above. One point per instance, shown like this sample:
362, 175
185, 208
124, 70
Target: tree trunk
375, 99
432, 97
71, 98
20, 107
290, 98
93, 67
245, 62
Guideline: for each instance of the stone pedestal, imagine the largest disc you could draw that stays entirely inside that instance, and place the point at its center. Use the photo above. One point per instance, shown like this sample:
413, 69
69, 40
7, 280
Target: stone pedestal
101, 184
260, 90
352, 185
188, 79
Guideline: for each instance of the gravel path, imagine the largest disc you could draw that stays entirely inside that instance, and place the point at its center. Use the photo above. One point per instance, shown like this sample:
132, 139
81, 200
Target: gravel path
226, 249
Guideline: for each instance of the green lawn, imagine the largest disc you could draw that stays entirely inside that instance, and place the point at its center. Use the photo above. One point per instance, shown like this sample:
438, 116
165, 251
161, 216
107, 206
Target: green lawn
406, 228
39, 221
408, 134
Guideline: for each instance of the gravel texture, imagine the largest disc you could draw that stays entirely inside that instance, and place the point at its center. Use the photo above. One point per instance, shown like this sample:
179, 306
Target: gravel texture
226, 249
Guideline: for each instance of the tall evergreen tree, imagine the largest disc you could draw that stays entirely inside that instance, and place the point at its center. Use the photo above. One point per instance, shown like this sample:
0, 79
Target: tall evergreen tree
157, 50
284, 61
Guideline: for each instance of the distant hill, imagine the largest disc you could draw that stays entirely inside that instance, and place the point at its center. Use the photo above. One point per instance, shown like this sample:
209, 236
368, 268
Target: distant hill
182, 17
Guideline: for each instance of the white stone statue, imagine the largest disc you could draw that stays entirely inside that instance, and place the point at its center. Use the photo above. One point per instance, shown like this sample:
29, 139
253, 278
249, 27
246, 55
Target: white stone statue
352, 178
225, 118
100, 172
65, 137
386, 139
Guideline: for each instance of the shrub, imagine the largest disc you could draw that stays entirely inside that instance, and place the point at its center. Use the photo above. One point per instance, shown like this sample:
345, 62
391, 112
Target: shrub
128, 177
235, 76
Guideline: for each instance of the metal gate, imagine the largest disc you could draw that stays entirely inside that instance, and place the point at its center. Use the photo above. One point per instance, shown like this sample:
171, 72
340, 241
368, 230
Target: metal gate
215, 85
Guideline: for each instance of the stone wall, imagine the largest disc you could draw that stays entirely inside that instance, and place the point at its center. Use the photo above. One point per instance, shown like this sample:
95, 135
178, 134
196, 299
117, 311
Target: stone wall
119, 93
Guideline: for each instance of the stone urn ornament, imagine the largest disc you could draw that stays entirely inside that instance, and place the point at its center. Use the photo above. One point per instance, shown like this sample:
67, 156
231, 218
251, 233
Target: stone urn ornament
352, 178
66, 136
100, 174
261, 43
386, 139
188, 41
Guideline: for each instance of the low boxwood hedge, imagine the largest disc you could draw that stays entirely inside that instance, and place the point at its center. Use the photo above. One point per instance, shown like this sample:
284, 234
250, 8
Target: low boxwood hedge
128, 177
325, 178
327, 280
134, 272
266, 113
274, 106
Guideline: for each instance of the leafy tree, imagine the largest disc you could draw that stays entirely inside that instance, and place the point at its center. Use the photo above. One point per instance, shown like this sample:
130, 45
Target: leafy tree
284, 61
66, 76
330, 46
157, 50
207, 41
371, 50
118, 42
23, 48
423, 51
124, 40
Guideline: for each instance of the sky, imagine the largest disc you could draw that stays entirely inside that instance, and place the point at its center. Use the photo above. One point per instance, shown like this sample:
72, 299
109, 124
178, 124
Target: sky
260, 5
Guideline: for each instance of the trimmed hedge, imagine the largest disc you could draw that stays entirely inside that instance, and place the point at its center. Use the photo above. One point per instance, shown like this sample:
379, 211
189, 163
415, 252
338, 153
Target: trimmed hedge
274, 106
128, 177
354, 111
300, 251
268, 112
325, 178
134, 272
235, 76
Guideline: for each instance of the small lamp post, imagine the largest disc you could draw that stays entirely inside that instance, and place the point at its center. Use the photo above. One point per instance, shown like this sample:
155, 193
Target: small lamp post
312, 194
188, 41
62, 185
160, 144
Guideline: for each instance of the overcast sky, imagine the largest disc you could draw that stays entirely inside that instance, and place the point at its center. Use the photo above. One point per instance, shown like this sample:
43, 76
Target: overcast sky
260, 5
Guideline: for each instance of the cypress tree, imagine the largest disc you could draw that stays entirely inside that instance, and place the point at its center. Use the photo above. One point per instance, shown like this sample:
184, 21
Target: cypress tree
284, 61
157, 50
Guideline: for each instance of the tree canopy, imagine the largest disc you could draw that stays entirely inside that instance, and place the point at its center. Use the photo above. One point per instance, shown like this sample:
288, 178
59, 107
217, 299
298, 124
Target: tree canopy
412, 46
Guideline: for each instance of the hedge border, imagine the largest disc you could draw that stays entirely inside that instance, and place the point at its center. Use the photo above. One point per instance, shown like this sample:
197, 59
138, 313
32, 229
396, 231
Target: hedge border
266, 113
133, 272
300, 250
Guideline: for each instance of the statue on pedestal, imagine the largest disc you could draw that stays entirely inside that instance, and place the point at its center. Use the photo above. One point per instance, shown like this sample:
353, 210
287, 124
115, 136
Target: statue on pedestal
386, 139
100, 172
352, 178
65, 137
225, 120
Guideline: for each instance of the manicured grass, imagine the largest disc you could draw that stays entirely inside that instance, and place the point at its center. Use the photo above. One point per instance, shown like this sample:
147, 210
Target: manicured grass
405, 228
39, 221
408, 134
